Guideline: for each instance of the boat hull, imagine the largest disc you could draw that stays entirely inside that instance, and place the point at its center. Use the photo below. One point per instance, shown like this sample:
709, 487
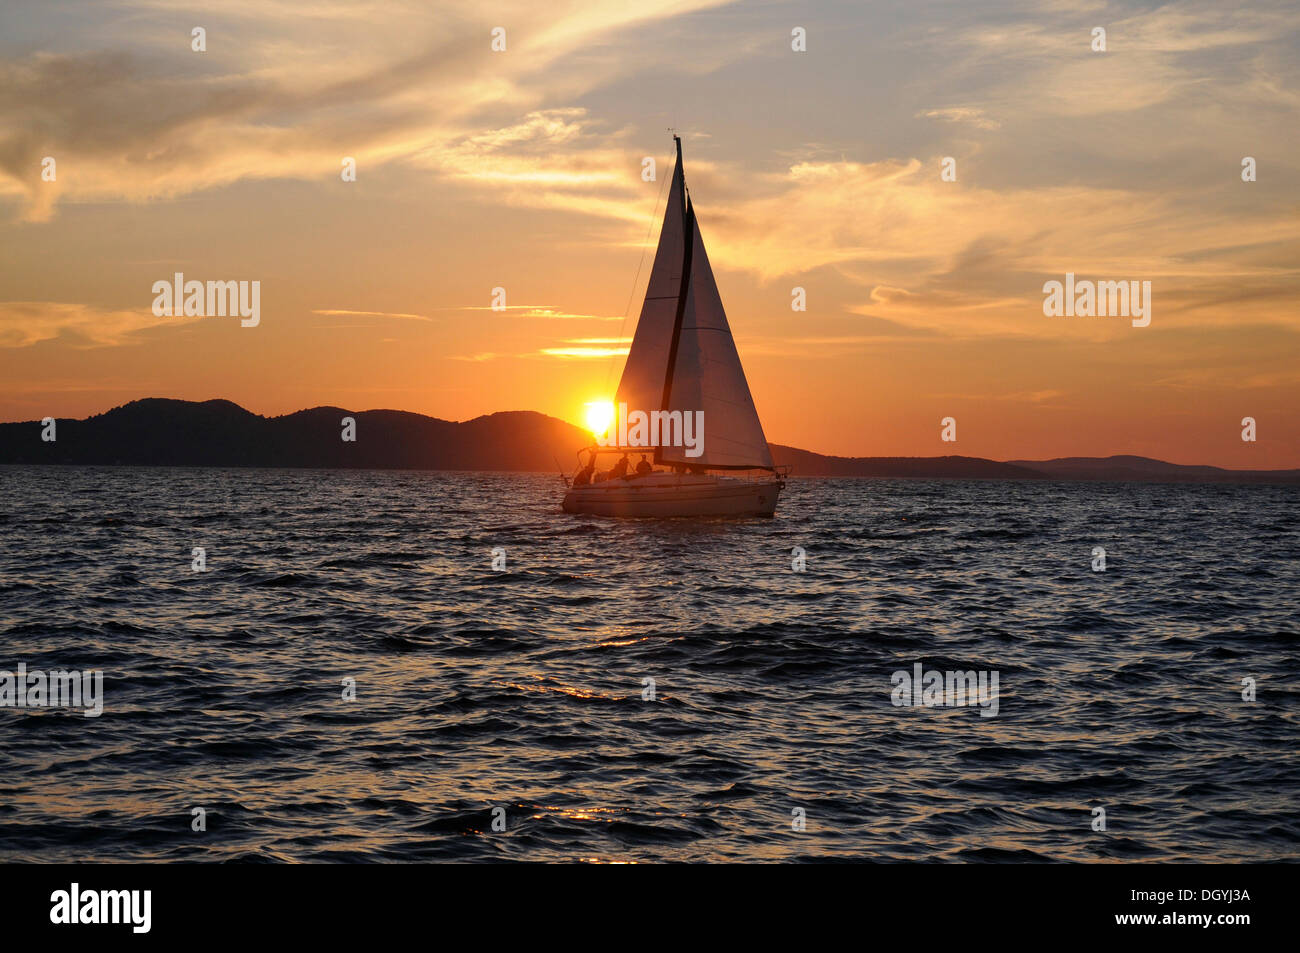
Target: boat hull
666, 495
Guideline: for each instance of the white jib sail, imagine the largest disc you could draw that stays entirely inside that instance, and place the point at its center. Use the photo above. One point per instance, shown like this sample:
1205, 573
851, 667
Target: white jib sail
708, 377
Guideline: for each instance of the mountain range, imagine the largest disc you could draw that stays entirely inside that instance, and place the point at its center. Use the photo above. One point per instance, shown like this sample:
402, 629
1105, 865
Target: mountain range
219, 433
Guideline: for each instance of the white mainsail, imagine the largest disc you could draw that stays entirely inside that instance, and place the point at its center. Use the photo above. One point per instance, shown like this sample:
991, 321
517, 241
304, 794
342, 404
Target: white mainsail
684, 324
642, 384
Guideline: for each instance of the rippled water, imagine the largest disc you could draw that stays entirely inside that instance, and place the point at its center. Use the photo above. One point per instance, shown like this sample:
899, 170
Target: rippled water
522, 689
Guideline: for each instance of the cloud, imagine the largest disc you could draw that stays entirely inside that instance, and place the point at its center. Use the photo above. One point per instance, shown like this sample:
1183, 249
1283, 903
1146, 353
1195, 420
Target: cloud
281, 96
576, 349
584, 352
580, 348
545, 311
24, 323
1054, 186
971, 115
373, 314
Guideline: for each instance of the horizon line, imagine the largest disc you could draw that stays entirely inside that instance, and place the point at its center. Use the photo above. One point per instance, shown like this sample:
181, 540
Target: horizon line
579, 427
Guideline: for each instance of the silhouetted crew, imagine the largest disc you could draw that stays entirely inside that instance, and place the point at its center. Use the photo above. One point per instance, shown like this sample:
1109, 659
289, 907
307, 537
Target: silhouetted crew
619, 469
643, 467
583, 476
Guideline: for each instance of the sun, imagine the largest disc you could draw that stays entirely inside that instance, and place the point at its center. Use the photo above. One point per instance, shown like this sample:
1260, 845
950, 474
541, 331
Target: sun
600, 414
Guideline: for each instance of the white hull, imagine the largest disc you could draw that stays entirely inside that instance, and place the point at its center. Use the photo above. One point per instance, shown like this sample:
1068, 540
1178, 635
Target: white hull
671, 494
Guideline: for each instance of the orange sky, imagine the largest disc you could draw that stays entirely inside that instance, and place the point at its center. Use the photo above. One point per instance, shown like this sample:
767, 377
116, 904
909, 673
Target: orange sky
522, 169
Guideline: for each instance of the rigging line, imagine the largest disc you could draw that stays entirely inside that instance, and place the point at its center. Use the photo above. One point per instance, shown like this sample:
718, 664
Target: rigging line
645, 242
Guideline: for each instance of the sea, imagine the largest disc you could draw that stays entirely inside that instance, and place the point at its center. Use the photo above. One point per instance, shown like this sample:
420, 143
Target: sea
399, 666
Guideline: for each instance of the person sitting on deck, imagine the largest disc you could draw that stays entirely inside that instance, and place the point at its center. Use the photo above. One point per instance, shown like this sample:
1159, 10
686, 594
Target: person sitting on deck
583, 476
619, 469
643, 467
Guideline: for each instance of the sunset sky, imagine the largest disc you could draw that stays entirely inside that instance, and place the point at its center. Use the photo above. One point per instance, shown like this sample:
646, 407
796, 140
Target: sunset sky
522, 169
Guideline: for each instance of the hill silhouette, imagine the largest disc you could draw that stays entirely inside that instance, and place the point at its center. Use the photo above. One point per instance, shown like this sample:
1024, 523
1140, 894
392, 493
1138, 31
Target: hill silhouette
1124, 468
218, 433
808, 463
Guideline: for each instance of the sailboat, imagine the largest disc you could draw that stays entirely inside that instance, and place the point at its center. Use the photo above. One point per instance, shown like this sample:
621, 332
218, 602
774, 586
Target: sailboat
683, 399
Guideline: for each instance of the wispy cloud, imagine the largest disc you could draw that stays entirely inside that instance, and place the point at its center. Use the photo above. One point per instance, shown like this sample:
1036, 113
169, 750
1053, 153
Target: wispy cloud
576, 352
335, 312
157, 120
538, 311
24, 323
972, 115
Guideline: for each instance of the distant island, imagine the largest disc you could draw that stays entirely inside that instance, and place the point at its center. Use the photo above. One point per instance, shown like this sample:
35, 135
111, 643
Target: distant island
219, 433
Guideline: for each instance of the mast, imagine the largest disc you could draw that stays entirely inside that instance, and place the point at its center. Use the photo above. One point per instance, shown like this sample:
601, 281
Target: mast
688, 245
